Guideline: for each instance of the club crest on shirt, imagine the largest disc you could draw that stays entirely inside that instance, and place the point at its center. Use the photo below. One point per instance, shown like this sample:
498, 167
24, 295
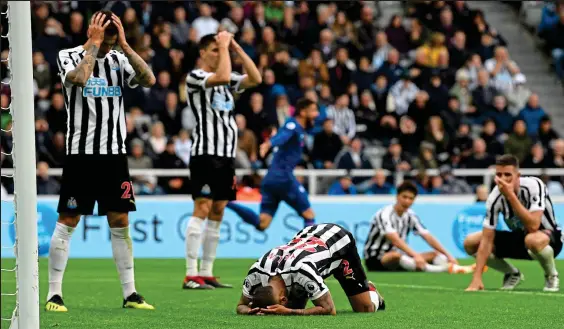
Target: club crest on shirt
71, 203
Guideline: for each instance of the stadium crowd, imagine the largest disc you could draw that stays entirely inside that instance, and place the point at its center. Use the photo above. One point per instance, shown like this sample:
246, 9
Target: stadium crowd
434, 87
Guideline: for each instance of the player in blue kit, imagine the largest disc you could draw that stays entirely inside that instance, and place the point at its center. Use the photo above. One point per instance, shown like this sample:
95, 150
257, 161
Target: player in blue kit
279, 184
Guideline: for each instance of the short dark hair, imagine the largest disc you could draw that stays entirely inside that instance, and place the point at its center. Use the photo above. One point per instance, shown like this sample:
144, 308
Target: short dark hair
263, 297
302, 104
206, 40
111, 30
407, 186
507, 160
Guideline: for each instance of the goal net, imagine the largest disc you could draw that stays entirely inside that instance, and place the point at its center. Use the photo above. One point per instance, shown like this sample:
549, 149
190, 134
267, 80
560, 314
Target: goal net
20, 284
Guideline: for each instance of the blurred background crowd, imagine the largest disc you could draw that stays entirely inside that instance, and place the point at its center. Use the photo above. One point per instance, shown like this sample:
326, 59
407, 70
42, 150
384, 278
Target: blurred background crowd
432, 86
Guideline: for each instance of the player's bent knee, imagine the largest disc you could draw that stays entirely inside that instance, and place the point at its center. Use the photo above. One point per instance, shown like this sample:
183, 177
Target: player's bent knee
265, 221
472, 242
116, 219
69, 219
536, 241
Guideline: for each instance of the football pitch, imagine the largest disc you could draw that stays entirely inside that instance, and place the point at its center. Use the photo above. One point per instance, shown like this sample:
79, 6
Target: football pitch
413, 300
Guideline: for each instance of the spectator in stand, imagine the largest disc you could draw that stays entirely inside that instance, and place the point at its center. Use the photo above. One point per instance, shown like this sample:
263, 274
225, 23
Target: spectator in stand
391, 68
326, 45
395, 159
452, 117
446, 26
418, 35
343, 186
403, 93
419, 70
41, 74
478, 159
451, 184
536, 158
426, 159
326, 146
519, 95
438, 92
57, 115
258, 119
46, 185
518, 142
491, 136
555, 41
433, 48
341, 69
472, 66
532, 114
461, 90
205, 23
169, 160
408, 136
314, 66
143, 184
458, 53
482, 193
502, 69
55, 155
366, 28
381, 50
247, 146
436, 135
353, 158
397, 35
499, 113
183, 146
488, 43
364, 76
557, 154
483, 95
420, 112
343, 29
546, 134
170, 115
344, 123
377, 184
283, 109
157, 95
157, 140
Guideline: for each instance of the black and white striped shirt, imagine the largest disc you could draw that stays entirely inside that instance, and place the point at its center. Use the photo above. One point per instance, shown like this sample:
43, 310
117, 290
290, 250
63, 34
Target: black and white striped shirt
216, 129
344, 122
312, 255
96, 119
386, 221
532, 194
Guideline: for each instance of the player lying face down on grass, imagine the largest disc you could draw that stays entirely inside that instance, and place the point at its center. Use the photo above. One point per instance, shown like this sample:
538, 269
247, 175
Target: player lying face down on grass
282, 280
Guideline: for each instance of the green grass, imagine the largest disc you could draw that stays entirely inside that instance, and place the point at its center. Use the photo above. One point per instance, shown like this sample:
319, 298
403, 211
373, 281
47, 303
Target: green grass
414, 300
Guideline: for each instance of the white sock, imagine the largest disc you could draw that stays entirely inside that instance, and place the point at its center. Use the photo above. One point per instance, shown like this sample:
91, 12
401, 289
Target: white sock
193, 241
546, 258
58, 257
211, 240
440, 259
500, 264
375, 300
123, 256
408, 263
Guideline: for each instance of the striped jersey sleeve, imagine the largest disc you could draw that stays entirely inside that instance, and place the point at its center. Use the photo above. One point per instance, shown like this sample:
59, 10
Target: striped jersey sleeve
196, 80
66, 64
383, 220
235, 83
255, 278
415, 224
537, 194
493, 208
310, 281
128, 71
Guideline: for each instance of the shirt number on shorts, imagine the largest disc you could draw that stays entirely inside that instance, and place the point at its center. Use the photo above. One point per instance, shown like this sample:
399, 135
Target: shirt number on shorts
128, 191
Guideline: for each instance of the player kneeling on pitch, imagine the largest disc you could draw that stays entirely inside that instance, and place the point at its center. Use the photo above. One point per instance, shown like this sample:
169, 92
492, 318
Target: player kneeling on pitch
386, 247
534, 233
282, 280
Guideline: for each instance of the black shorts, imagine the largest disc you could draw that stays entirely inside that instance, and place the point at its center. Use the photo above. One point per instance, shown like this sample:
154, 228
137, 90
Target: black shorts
213, 177
511, 244
96, 178
375, 265
350, 273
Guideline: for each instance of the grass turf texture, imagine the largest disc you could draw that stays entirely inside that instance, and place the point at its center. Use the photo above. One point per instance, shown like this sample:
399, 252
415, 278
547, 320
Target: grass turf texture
413, 300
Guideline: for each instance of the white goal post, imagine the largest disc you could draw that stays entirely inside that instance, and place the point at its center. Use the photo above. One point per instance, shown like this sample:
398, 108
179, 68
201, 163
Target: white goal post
25, 197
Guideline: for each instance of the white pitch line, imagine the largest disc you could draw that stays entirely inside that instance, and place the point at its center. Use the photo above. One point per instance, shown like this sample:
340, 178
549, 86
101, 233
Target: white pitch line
411, 286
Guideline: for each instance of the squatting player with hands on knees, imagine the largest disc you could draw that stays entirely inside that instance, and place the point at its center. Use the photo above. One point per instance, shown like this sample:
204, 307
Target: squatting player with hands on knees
282, 280
96, 169
534, 233
212, 163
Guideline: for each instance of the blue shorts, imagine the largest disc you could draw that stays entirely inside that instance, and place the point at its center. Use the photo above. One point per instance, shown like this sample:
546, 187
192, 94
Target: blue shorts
289, 190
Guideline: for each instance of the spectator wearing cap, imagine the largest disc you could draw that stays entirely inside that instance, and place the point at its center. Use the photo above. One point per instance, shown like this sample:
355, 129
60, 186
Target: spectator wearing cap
532, 114
391, 68
483, 94
395, 159
353, 157
403, 93
519, 95
377, 185
326, 146
461, 90
451, 184
343, 186
502, 69
518, 142
490, 135
536, 158
546, 134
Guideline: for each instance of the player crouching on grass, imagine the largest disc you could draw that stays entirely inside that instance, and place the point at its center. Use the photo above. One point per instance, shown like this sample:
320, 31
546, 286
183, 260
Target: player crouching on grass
386, 247
534, 233
282, 280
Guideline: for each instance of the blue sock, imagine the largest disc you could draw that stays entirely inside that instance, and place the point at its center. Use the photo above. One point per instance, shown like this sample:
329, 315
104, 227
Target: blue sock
309, 222
246, 214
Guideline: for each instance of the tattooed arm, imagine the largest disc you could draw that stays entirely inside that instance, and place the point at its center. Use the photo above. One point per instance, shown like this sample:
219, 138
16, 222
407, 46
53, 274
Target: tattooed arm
143, 74
79, 76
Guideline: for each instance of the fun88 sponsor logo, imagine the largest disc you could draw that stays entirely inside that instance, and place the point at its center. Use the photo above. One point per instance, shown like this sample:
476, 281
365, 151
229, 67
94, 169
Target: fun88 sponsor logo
98, 87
